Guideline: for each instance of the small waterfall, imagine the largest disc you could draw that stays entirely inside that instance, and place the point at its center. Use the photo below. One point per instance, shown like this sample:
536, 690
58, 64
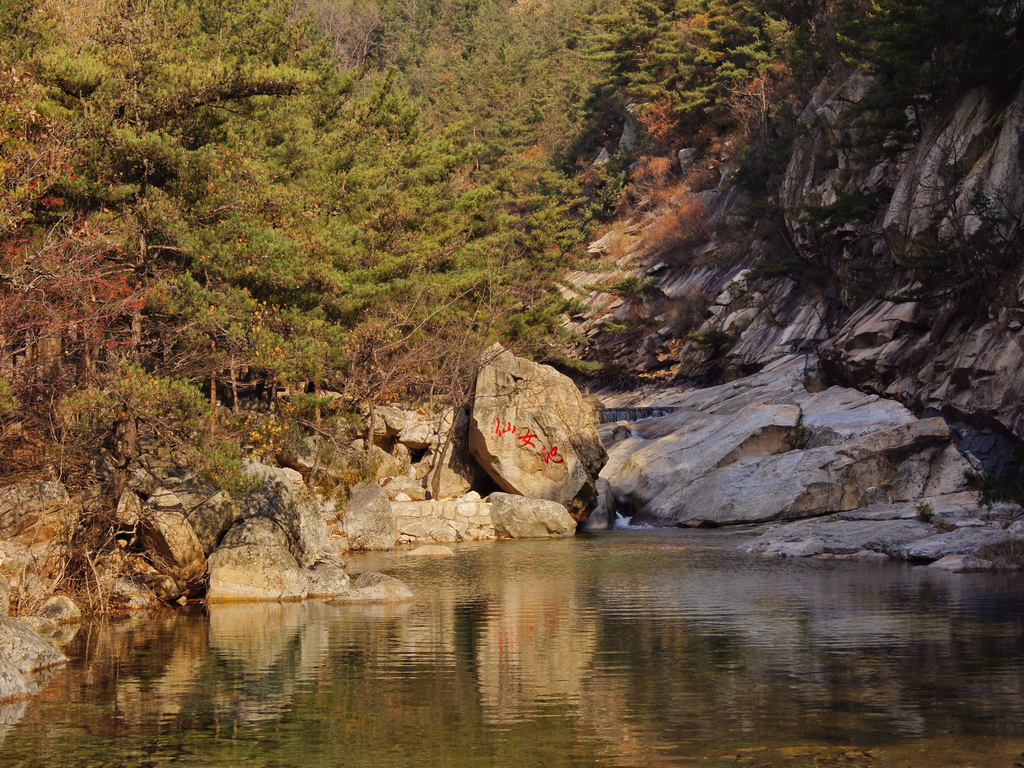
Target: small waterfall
632, 415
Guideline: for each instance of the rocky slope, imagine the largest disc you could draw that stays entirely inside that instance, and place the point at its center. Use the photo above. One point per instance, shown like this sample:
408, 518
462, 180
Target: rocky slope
861, 475
914, 294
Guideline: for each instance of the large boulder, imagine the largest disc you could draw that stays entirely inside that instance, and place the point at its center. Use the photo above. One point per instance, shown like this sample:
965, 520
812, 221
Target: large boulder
765, 449
36, 513
171, 544
517, 517
373, 587
254, 563
23, 653
282, 496
369, 522
212, 517
211, 512
533, 434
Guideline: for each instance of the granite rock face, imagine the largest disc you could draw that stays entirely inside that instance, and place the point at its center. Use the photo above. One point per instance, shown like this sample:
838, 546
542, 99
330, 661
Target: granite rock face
518, 517
951, 531
533, 434
370, 523
171, 543
766, 449
36, 519
284, 498
254, 563
23, 654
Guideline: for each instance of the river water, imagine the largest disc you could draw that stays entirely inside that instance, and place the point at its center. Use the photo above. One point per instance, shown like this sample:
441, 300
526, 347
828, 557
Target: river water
629, 648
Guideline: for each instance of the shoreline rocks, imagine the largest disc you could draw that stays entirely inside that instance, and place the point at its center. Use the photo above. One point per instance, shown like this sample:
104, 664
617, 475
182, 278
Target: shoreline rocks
23, 656
517, 517
834, 473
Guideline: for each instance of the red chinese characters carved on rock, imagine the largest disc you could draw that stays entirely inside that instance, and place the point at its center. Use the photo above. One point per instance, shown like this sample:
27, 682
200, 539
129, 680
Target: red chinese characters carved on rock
549, 453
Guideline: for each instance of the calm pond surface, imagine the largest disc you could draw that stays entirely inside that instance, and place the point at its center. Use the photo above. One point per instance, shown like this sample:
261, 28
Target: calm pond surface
633, 648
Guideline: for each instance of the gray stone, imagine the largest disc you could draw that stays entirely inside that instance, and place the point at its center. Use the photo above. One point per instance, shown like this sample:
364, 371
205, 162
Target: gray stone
254, 563
393, 464
962, 541
23, 653
427, 529
284, 498
61, 609
388, 421
686, 157
963, 564
24, 649
518, 517
407, 486
764, 448
838, 537
171, 544
36, 513
417, 435
326, 580
432, 550
14, 684
369, 520
372, 587
212, 517
532, 432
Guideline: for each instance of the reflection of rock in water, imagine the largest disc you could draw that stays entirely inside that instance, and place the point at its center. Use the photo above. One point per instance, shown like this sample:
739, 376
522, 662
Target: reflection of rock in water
10, 714
535, 645
271, 650
268, 648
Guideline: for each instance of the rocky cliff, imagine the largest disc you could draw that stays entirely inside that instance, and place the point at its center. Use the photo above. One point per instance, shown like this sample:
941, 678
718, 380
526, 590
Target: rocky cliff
901, 274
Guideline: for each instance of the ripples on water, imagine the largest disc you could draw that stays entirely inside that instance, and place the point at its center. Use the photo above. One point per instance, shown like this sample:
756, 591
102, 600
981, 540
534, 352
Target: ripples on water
633, 648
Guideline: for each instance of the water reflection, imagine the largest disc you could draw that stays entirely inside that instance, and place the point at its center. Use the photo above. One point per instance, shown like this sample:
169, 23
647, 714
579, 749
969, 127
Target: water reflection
625, 649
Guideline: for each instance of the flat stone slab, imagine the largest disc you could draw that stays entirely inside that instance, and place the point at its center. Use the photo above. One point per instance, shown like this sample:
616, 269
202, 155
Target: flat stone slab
833, 536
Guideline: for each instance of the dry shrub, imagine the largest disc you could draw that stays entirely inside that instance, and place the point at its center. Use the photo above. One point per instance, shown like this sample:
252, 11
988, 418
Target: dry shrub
649, 181
686, 313
703, 176
685, 224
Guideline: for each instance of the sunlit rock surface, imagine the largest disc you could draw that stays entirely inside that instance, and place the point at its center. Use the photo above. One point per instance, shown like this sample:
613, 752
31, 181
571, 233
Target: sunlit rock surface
517, 517
23, 654
765, 448
532, 432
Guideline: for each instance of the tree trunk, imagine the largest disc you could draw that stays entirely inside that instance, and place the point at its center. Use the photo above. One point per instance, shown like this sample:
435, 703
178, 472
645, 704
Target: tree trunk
234, 386
126, 448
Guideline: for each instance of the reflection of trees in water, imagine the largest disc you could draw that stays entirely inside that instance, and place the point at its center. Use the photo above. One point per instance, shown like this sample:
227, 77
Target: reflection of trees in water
824, 651
561, 653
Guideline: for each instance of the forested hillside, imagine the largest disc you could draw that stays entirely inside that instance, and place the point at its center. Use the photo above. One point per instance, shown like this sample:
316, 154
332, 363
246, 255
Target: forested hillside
229, 226
225, 203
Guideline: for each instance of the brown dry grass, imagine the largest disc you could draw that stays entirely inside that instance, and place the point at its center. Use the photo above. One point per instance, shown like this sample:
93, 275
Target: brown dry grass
677, 226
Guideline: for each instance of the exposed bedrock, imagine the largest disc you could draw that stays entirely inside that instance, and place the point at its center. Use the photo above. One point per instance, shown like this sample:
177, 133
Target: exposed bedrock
764, 448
